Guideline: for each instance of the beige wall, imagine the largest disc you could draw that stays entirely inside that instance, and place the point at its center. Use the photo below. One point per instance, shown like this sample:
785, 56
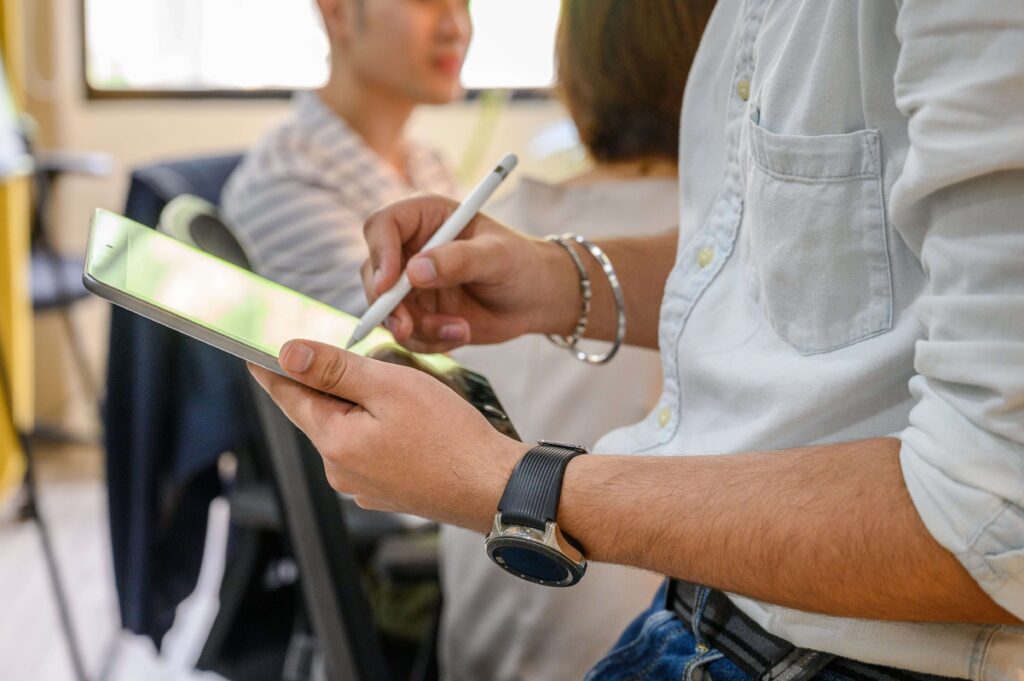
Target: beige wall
136, 132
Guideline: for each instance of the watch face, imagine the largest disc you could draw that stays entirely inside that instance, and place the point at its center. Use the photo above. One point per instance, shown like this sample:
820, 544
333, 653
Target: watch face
534, 562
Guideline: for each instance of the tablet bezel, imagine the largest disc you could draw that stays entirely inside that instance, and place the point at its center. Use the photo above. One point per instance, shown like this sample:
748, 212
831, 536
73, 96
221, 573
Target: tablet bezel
181, 324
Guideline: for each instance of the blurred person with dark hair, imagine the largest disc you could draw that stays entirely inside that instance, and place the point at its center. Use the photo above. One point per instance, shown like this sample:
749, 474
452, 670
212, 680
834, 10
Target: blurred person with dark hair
298, 201
624, 95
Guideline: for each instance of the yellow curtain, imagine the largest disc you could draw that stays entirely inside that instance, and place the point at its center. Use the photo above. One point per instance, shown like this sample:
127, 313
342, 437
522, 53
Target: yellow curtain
15, 301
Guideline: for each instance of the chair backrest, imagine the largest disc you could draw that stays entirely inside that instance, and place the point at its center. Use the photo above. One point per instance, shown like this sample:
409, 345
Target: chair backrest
314, 518
158, 443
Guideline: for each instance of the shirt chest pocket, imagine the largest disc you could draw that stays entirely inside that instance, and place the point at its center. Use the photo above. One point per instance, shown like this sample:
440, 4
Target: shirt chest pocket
815, 236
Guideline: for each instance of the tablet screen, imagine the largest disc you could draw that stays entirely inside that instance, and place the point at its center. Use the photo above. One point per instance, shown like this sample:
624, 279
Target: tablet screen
210, 299
205, 290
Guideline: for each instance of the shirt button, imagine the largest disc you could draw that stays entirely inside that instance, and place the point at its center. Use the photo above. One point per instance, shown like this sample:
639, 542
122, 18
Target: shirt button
705, 256
743, 89
664, 416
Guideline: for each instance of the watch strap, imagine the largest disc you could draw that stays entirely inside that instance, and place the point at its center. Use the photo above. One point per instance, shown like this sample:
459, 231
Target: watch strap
533, 491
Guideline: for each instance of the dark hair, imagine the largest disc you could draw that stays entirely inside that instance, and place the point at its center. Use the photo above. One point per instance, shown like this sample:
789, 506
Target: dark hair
622, 68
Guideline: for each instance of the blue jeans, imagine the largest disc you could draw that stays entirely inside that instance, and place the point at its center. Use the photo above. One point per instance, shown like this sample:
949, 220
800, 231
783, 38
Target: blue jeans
658, 646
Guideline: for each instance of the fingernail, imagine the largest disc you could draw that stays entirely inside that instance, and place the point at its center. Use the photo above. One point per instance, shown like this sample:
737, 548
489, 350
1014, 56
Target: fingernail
296, 357
378, 276
391, 323
422, 270
451, 332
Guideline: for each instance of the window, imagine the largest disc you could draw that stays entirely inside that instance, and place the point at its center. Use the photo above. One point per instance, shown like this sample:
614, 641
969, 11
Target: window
244, 47
513, 45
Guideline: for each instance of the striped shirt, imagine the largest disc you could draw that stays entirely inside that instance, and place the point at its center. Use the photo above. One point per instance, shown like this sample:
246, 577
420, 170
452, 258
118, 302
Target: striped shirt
298, 201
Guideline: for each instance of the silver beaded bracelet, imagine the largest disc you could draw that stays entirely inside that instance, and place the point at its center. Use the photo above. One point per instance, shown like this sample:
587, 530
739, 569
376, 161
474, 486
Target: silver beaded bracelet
586, 291
620, 300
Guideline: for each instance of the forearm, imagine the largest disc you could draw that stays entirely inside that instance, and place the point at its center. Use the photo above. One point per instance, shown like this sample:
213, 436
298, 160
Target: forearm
642, 265
828, 529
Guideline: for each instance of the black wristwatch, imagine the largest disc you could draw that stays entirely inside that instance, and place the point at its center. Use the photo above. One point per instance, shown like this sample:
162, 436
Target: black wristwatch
525, 539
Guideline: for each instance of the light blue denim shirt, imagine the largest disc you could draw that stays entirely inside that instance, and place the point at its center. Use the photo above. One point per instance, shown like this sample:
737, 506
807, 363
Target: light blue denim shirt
851, 265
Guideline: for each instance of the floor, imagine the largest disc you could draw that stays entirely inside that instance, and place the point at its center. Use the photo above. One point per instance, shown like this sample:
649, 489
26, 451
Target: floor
32, 646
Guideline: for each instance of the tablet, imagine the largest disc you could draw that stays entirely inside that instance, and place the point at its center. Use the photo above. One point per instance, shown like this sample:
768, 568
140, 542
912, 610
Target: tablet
230, 308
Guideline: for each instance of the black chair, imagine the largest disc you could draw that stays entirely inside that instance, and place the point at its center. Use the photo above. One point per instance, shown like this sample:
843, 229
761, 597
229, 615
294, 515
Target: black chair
304, 507
172, 409
278, 494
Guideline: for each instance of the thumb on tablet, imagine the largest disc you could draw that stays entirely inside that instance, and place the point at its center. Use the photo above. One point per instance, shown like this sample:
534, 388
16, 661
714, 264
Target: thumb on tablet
334, 371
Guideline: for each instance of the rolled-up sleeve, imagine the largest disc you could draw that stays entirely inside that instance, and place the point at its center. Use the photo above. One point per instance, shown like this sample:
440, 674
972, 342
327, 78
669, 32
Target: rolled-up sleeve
959, 204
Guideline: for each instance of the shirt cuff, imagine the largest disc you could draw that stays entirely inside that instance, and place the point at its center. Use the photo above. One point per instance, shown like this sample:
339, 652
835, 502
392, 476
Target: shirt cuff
968, 486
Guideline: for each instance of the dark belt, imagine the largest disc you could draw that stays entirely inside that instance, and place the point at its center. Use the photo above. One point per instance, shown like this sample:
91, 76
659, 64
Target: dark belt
764, 656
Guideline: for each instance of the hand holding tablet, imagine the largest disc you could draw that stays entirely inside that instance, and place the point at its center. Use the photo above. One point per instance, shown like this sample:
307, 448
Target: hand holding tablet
239, 312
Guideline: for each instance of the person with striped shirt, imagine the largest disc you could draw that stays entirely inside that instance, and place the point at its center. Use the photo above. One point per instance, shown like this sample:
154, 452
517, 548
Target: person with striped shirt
299, 198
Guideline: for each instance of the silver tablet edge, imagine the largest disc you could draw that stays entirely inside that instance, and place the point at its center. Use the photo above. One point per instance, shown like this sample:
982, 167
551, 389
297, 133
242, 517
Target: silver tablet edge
180, 324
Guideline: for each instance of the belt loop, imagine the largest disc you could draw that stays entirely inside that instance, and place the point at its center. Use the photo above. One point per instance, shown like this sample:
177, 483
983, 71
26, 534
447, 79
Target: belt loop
700, 602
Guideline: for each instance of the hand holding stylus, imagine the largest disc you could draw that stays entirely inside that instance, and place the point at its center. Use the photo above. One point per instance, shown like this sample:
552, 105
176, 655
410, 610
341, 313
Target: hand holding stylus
490, 285
447, 232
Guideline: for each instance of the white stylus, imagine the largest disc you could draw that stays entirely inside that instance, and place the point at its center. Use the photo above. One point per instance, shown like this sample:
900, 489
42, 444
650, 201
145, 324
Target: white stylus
451, 228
